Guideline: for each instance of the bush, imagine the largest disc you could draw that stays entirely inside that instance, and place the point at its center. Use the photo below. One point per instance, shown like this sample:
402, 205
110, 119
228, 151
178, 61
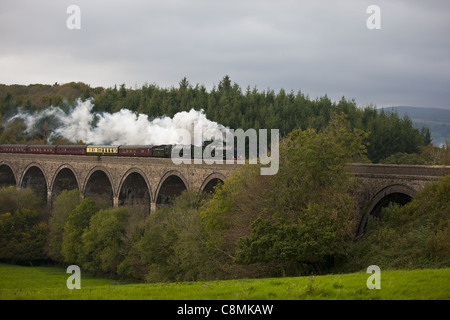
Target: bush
23, 229
102, 241
77, 222
416, 235
171, 245
22, 237
297, 220
404, 158
65, 203
13, 198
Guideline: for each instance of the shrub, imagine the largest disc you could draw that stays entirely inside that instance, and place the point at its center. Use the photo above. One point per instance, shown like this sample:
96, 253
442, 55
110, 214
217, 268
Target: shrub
296, 220
65, 203
102, 241
171, 245
77, 223
13, 198
23, 228
404, 158
416, 235
22, 236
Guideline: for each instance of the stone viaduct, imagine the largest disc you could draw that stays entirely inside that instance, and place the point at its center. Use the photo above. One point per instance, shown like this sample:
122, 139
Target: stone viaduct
154, 182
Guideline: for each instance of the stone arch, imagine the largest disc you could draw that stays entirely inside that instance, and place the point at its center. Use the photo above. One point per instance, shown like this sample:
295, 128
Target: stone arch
398, 193
171, 185
7, 175
211, 181
134, 189
65, 178
34, 178
99, 185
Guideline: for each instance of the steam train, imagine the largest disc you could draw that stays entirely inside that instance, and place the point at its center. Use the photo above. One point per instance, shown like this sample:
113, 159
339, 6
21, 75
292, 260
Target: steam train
160, 151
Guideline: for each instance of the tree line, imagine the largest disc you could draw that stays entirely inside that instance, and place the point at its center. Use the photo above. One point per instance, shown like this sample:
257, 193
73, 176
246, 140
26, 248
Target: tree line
228, 104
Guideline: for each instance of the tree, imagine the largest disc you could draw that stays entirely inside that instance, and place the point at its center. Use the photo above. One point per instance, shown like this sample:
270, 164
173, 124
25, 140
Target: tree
65, 203
225, 83
184, 84
426, 135
295, 221
77, 222
14, 199
22, 236
102, 241
172, 245
308, 210
23, 228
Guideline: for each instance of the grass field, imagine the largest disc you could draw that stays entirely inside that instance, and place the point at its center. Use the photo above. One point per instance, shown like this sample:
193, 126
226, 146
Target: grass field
19, 282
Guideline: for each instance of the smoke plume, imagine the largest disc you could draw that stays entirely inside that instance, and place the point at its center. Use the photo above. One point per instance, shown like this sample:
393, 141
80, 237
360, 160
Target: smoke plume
121, 128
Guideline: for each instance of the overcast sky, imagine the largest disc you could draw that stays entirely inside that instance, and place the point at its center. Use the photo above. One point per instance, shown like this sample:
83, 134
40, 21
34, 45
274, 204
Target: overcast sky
318, 47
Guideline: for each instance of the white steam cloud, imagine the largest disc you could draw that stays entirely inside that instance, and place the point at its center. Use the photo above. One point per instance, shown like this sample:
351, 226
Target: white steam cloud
121, 128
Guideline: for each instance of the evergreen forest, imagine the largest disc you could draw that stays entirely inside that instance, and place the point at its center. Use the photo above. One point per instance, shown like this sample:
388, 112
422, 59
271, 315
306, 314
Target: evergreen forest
390, 138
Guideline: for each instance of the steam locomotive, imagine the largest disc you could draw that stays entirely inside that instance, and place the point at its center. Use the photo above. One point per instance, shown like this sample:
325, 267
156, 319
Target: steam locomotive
160, 151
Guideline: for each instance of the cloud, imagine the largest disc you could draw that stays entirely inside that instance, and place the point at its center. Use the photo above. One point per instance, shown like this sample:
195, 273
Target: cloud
316, 47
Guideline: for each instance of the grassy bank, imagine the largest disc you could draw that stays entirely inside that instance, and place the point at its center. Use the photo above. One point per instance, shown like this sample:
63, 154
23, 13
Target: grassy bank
19, 282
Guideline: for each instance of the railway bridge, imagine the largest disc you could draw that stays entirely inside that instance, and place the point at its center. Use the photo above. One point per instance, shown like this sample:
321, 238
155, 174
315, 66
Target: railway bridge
154, 182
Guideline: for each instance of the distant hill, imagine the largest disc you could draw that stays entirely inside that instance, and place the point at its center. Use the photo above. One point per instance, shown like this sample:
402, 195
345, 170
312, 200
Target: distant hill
436, 119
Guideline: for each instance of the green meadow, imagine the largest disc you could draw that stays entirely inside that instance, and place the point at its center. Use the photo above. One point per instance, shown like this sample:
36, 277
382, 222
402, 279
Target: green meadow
49, 283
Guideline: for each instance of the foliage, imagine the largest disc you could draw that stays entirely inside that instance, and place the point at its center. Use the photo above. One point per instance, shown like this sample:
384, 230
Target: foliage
65, 203
405, 158
427, 155
22, 236
172, 243
298, 229
23, 229
416, 235
77, 222
13, 199
102, 241
227, 104
436, 155
391, 134
281, 223
234, 205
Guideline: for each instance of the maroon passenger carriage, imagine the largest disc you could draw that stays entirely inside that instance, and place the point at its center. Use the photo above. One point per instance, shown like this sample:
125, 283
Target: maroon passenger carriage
135, 151
71, 150
41, 149
13, 148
